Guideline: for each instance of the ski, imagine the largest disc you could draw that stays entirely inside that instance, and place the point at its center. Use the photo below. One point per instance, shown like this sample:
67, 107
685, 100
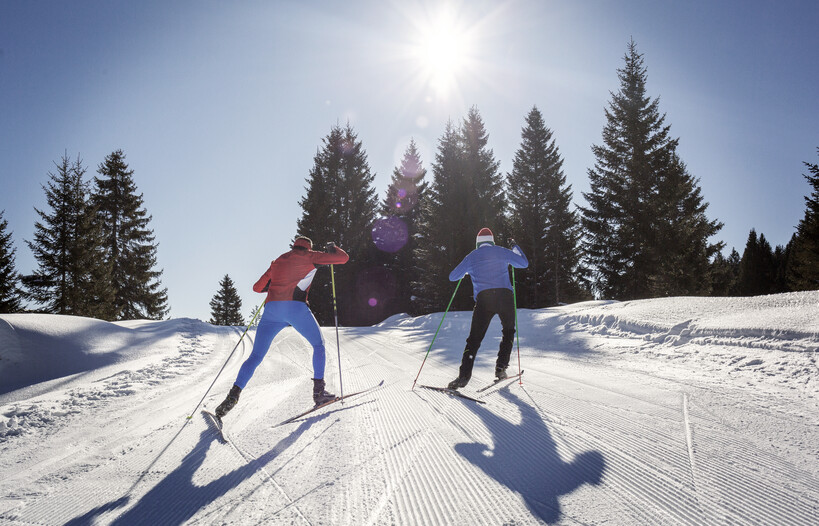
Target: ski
215, 422
452, 392
496, 382
334, 400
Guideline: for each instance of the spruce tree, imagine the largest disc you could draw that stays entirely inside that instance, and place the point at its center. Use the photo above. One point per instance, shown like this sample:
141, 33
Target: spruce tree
226, 305
803, 267
340, 206
395, 234
466, 194
440, 235
757, 269
725, 272
10, 294
646, 229
543, 223
129, 245
71, 277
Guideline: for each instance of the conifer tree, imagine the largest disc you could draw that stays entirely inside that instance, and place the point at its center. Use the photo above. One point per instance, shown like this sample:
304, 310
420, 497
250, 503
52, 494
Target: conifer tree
542, 222
340, 206
441, 224
226, 305
466, 194
803, 267
757, 268
395, 234
129, 245
71, 277
646, 229
10, 294
725, 272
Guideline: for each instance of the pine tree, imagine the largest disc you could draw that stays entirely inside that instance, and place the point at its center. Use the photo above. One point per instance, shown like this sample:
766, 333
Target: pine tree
226, 305
129, 245
803, 268
683, 230
10, 294
646, 230
466, 194
441, 224
725, 272
542, 223
395, 234
757, 270
340, 206
71, 276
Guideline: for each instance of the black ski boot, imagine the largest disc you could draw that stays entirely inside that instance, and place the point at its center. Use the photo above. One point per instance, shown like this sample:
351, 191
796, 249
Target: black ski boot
500, 373
457, 383
320, 396
230, 401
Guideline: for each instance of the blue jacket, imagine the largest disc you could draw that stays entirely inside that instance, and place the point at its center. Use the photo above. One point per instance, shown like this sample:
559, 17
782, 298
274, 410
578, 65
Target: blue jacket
488, 266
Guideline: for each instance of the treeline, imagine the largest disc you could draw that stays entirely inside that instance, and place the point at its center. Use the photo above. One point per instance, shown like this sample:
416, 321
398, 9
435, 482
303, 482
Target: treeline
643, 232
95, 254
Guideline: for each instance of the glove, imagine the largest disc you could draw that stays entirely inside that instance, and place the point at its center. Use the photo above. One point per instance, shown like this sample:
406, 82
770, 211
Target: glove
512, 242
330, 246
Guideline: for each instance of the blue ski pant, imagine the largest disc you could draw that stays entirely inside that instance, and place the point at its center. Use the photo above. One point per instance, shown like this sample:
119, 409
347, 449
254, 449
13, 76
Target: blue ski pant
278, 315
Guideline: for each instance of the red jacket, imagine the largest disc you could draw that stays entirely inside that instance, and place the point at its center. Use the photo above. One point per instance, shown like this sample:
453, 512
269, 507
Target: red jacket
290, 275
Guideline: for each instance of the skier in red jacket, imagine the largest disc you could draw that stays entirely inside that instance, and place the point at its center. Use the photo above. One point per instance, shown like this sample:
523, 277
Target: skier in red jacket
287, 283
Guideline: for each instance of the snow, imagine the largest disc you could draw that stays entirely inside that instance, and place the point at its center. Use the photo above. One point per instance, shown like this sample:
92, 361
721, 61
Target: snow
662, 411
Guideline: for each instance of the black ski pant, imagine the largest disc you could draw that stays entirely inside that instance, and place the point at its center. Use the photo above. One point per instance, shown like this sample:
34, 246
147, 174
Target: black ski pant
488, 303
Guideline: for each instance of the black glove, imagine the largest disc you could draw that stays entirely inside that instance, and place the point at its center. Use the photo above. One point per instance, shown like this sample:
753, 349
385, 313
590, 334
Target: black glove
330, 246
512, 242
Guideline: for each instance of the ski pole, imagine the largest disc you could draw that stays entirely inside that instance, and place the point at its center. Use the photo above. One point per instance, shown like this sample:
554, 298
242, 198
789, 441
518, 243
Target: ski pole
335, 314
258, 310
436, 333
517, 332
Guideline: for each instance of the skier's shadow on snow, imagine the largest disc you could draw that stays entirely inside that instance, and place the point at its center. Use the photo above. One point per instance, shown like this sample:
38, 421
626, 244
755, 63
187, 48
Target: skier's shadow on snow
175, 499
525, 459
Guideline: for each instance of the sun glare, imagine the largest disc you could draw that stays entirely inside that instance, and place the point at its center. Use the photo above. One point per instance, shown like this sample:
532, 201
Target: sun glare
442, 52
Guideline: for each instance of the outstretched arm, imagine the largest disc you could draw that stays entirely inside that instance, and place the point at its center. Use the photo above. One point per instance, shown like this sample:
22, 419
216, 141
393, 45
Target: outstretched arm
461, 270
518, 258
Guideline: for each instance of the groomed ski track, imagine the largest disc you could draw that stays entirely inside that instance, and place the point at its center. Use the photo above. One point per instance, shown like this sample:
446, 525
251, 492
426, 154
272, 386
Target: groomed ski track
586, 439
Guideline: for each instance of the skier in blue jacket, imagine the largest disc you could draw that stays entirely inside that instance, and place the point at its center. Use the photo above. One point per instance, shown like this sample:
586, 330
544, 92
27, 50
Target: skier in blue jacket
488, 267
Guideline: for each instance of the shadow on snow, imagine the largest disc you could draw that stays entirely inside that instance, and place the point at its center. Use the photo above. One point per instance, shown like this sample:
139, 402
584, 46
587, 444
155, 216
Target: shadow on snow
525, 459
175, 499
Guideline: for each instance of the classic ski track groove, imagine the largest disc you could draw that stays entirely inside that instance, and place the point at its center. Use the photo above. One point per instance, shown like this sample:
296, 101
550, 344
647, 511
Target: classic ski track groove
684, 503
665, 463
248, 458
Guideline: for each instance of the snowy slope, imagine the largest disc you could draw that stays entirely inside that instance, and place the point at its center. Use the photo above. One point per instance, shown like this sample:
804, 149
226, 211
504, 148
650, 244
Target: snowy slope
667, 411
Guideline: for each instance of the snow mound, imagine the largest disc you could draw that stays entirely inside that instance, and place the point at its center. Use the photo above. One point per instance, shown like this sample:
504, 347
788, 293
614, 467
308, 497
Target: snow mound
36, 348
786, 321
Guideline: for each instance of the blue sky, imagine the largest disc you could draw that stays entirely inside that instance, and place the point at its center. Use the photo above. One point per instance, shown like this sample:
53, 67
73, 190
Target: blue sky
221, 106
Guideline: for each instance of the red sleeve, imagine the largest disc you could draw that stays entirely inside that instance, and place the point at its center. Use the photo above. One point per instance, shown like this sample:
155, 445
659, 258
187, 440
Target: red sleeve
339, 257
261, 285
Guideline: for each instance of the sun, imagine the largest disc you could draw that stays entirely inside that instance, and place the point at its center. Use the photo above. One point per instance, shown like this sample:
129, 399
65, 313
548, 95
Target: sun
443, 53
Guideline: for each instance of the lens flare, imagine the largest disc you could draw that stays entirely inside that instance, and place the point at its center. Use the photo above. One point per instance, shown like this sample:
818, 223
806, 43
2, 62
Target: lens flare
390, 234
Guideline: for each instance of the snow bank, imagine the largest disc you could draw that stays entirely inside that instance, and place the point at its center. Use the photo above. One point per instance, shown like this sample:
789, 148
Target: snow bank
781, 318
36, 348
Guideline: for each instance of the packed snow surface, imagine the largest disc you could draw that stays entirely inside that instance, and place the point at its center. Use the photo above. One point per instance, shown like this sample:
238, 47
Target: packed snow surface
665, 411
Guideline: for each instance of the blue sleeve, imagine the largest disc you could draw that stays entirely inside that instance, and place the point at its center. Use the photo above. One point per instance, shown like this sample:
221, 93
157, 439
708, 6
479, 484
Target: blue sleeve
518, 259
461, 270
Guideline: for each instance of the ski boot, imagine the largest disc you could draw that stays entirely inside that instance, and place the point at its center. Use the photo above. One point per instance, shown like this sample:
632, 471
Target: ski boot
457, 383
229, 402
500, 373
320, 395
